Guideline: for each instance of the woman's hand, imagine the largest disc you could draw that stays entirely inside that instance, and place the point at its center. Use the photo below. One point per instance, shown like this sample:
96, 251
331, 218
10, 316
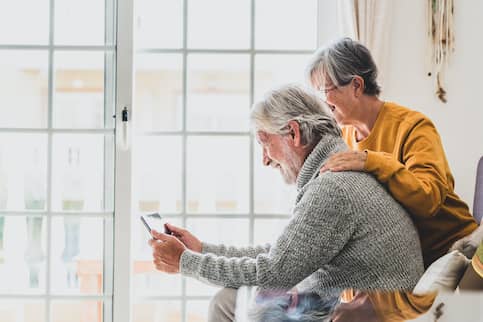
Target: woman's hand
188, 239
345, 161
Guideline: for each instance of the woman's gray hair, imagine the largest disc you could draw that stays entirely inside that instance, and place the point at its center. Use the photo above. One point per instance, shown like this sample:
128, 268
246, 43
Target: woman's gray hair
341, 62
294, 103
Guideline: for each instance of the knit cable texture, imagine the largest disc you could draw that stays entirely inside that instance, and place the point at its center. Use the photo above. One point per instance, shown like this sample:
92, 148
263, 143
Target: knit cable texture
346, 231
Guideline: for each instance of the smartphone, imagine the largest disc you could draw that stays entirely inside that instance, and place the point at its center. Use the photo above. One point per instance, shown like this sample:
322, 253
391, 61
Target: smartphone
156, 222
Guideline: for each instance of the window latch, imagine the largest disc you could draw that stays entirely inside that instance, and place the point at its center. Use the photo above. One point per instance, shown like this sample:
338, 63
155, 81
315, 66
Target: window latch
123, 136
125, 114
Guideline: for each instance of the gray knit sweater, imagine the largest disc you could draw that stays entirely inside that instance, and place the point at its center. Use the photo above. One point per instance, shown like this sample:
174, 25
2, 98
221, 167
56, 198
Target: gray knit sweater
346, 232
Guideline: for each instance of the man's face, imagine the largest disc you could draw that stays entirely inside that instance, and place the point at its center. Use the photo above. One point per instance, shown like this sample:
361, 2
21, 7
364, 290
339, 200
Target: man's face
280, 153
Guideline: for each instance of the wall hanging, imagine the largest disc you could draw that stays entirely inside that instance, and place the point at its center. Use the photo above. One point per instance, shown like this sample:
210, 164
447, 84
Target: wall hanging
441, 37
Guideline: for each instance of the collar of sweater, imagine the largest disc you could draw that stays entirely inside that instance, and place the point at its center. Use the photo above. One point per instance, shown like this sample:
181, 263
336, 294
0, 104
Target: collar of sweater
327, 146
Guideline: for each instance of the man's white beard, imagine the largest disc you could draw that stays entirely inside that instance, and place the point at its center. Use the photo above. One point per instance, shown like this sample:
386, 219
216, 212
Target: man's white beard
292, 166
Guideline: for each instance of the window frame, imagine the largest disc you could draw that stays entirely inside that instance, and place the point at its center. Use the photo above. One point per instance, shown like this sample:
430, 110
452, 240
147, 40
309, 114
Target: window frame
109, 50
119, 79
124, 221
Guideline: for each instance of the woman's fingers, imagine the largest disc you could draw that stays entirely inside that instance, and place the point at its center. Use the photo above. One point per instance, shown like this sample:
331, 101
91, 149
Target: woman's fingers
345, 161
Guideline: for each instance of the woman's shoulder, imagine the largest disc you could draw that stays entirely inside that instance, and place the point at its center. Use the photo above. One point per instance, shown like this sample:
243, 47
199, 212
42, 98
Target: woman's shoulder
404, 115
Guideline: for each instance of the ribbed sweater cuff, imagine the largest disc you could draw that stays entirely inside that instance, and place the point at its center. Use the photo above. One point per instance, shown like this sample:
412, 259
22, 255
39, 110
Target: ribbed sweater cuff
208, 248
190, 262
380, 165
372, 161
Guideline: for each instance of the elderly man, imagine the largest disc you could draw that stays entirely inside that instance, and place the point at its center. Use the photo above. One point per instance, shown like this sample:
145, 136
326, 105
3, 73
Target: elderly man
346, 231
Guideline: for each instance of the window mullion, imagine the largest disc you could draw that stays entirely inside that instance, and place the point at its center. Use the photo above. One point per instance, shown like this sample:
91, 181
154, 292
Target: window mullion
123, 187
184, 143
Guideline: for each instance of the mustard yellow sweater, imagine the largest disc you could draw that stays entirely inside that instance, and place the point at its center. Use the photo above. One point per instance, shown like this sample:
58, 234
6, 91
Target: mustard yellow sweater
406, 155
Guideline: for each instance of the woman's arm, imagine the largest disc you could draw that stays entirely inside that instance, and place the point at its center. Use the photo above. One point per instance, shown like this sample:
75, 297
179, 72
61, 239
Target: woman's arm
421, 181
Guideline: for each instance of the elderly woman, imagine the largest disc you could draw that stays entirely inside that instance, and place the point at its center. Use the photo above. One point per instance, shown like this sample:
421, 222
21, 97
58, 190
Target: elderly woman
399, 146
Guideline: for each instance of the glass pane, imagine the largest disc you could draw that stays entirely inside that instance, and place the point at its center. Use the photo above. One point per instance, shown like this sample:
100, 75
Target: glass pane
76, 311
77, 255
217, 175
197, 311
218, 92
23, 87
268, 230
22, 311
22, 254
24, 22
158, 98
159, 23
157, 174
272, 195
78, 172
79, 90
219, 24
23, 169
160, 311
231, 232
286, 24
217, 231
269, 75
79, 22
198, 288
146, 279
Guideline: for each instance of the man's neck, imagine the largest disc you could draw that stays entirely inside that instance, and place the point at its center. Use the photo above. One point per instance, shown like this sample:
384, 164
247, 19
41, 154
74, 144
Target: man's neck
317, 155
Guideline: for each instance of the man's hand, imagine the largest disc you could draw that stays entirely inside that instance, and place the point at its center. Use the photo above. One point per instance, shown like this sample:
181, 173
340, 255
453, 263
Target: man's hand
468, 245
190, 241
345, 161
167, 251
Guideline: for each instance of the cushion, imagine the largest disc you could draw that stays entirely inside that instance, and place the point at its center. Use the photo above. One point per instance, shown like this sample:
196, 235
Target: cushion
443, 275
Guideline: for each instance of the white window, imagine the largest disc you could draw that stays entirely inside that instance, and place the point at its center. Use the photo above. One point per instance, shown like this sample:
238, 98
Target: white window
56, 160
199, 65
188, 72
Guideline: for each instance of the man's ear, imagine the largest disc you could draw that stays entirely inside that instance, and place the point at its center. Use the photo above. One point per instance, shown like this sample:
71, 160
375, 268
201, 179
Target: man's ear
358, 85
294, 132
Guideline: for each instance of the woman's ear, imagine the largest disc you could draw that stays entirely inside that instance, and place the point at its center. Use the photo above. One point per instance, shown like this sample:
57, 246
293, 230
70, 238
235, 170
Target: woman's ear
358, 85
294, 132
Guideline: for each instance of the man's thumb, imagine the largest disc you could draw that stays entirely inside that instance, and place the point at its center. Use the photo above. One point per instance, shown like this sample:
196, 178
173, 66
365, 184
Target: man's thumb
173, 229
159, 236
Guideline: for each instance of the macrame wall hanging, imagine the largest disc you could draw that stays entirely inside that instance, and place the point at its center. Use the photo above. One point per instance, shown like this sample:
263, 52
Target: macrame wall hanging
441, 37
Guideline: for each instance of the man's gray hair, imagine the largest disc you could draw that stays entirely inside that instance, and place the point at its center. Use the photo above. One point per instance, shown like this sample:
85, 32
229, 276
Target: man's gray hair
341, 62
294, 103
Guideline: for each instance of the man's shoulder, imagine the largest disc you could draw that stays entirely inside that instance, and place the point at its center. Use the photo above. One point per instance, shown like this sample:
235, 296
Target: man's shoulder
352, 188
344, 179
340, 183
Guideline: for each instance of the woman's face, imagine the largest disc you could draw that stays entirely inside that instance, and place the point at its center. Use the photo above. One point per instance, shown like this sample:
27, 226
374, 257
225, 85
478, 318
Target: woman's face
341, 100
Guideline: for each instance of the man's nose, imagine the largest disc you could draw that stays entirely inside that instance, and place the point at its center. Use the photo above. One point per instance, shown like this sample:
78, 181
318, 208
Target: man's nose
265, 159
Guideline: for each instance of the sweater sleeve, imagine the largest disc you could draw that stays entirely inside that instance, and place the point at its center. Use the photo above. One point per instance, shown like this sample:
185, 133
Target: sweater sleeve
318, 230
420, 182
230, 251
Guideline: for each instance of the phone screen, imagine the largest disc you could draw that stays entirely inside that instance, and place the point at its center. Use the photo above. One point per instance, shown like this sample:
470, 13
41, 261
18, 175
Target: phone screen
156, 222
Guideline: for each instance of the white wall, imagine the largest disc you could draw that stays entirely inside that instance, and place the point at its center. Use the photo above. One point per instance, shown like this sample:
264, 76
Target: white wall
460, 121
